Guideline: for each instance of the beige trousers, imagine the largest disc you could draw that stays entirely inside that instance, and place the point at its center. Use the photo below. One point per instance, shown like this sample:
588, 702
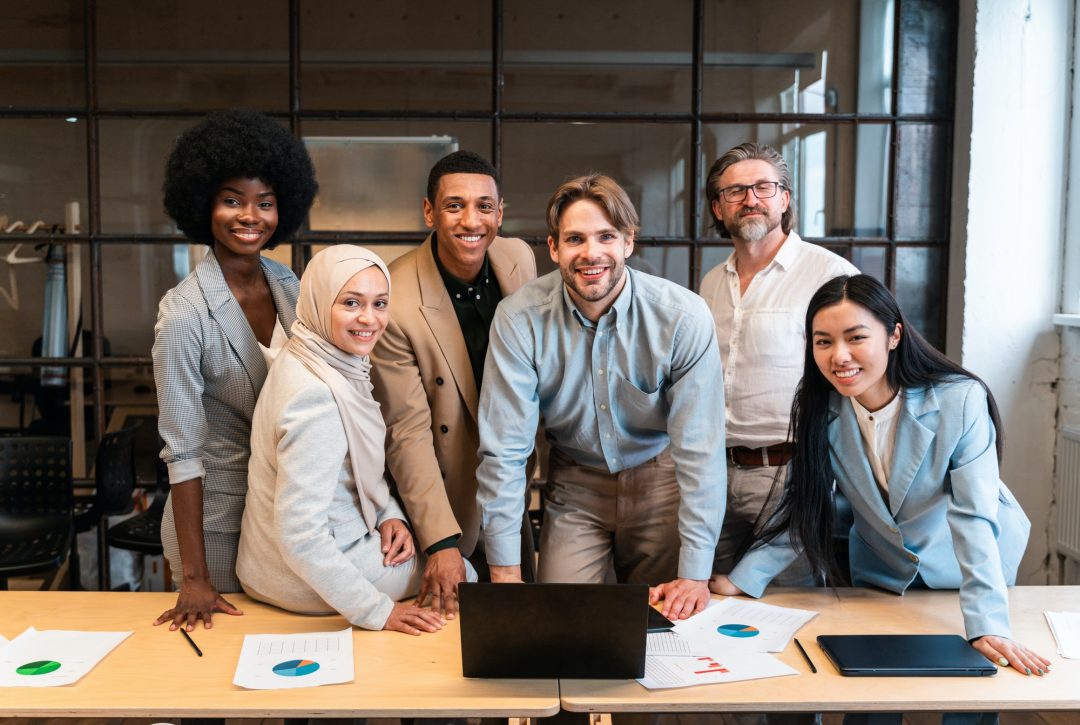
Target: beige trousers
598, 524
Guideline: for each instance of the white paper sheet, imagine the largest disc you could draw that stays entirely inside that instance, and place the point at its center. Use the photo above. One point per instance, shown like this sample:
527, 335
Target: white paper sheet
1066, 629
667, 672
3, 641
669, 644
284, 661
54, 657
747, 626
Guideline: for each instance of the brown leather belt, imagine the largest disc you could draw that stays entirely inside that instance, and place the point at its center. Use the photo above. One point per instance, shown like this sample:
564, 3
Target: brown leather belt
776, 455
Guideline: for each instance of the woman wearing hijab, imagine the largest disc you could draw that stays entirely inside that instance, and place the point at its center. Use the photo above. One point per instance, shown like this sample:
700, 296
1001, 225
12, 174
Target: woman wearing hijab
321, 532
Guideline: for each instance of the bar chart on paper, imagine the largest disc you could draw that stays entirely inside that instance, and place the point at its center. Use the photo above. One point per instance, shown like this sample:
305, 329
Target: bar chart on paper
282, 661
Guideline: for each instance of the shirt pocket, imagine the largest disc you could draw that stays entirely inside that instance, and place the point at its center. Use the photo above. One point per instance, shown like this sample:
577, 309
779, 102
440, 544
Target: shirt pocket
639, 409
775, 338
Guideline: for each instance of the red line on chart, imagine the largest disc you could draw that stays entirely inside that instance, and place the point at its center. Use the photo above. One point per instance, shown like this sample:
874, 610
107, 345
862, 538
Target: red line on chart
711, 666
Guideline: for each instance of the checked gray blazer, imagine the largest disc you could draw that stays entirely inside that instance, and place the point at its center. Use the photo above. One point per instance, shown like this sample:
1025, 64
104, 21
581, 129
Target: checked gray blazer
209, 369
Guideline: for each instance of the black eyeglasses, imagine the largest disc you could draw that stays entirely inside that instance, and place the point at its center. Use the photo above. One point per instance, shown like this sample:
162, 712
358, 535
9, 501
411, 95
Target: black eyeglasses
762, 190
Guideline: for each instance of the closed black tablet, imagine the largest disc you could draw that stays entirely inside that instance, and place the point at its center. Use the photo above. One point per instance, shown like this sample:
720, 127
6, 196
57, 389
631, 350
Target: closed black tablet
904, 655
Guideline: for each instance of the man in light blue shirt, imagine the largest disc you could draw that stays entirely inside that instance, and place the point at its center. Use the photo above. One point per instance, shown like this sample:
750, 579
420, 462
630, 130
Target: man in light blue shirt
624, 370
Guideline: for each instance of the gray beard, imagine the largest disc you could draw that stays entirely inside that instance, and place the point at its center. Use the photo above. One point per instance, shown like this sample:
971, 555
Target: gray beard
753, 230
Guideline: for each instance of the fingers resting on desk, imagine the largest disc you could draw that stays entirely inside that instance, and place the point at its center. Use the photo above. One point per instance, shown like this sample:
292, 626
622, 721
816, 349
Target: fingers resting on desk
198, 599
682, 597
1008, 653
442, 573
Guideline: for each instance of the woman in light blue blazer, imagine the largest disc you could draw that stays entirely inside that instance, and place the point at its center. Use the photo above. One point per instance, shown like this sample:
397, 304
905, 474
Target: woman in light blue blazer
913, 441
238, 182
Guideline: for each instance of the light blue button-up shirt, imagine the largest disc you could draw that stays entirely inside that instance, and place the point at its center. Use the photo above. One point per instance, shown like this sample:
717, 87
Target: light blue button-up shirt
612, 395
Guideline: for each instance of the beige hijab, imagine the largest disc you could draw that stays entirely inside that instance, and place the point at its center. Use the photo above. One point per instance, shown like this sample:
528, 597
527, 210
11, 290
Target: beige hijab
347, 376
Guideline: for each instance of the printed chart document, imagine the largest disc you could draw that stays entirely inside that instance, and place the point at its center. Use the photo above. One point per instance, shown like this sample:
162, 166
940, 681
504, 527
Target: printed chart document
667, 672
747, 626
3, 641
54, 656
282, 661
1066, 629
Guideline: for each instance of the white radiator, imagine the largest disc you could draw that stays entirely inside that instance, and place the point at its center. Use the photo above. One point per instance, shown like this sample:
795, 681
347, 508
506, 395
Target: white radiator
1068, 500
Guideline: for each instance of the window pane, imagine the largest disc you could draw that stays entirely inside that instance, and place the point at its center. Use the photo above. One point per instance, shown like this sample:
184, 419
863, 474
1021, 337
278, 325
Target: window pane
927, 47
805, 56
921, 196
386, 193
41, 53
42, 168
871, 261
382, 55
710, 257
134, 277
193, 54
648, 160
565, 55
920, 273
133, 154
672, 262
840, 173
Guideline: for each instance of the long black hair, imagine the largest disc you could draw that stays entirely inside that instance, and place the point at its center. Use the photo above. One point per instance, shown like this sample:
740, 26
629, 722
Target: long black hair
806, 508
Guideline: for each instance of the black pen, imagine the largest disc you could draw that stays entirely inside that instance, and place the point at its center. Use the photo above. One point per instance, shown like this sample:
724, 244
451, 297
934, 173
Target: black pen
797, 644
199, 651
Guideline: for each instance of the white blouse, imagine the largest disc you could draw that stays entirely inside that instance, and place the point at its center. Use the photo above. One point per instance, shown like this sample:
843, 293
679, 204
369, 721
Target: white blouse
277, 341
879, 434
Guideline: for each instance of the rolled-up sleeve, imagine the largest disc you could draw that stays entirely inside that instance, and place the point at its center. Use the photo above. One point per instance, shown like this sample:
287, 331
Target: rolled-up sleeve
696, 428
177, 355
509, 413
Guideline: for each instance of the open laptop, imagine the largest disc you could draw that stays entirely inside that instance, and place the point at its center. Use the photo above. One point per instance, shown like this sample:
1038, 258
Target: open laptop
904, 655
586, 631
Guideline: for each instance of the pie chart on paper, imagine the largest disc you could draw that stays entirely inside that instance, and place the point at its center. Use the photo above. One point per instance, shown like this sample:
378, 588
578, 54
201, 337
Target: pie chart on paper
739, 631
40, 667
296, 668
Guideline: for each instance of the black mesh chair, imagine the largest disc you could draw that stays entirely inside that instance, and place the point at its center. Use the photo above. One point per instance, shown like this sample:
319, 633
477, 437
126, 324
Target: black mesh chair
114, 481
35, 505
142, 533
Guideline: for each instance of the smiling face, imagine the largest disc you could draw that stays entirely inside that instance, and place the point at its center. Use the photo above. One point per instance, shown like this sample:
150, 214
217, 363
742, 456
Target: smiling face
243, 218
360, 312
591, 254
851, 349
466, 217
752, 219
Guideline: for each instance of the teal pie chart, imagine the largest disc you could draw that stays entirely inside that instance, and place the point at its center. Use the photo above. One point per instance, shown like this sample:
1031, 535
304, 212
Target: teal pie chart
740, 631
296, 668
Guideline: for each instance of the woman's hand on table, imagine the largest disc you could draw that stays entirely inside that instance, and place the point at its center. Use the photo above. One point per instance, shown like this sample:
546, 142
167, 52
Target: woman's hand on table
198, 599
720, 584
397, 542
411, 619
1007, 653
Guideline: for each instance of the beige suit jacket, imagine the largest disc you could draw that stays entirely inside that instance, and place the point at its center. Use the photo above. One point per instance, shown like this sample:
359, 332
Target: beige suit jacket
424, 381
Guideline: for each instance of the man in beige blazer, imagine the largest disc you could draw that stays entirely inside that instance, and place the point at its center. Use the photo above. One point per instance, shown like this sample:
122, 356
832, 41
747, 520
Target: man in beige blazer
428, 365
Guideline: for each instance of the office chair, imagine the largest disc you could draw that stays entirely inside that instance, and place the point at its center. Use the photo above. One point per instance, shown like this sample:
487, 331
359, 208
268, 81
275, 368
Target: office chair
36, 500
114, 481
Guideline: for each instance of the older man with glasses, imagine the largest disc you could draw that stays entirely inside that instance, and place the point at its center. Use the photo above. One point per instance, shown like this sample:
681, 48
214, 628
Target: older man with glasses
758, 298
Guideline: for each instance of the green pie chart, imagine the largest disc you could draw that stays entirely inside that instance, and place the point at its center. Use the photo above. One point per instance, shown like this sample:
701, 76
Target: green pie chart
40, 667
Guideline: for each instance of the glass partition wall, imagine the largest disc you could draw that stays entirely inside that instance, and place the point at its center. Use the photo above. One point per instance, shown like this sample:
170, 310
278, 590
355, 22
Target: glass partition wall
857, 94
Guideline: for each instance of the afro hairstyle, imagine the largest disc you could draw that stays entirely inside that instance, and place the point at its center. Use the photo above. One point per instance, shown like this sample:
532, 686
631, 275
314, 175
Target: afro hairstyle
237, 145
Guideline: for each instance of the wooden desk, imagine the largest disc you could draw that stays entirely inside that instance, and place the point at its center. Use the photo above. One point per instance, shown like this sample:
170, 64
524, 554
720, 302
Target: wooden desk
864, 611
156, 673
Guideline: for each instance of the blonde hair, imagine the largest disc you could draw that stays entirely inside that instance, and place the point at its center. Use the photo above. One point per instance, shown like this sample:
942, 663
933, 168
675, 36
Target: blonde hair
597, 188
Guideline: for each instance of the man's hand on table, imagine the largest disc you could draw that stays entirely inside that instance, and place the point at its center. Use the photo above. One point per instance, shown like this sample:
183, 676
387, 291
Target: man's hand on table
682, 598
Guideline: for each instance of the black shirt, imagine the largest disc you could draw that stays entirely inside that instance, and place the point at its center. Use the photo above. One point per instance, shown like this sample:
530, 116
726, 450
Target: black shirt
474, 304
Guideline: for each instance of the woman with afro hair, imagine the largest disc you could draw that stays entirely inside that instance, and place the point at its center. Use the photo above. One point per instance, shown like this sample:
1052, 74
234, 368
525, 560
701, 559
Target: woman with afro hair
238, 182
